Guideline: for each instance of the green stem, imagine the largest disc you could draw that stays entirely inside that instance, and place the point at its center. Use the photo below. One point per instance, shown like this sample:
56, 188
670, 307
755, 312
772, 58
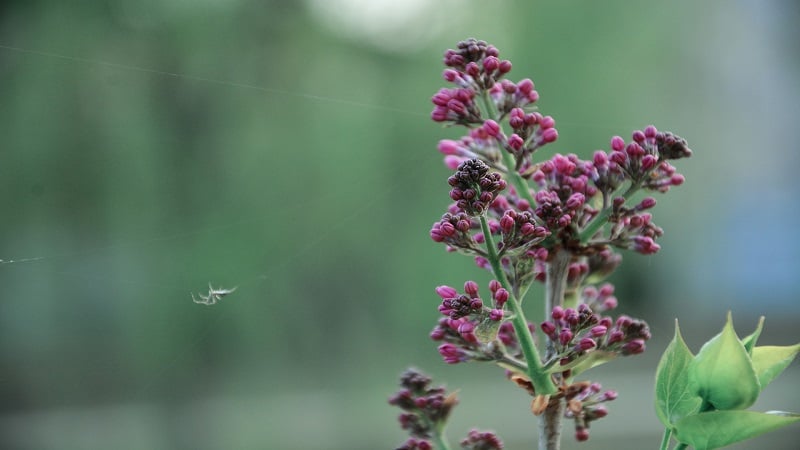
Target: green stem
665, 439
440, 440
542, 383
555, 288
508, 159
680, 446
600, 219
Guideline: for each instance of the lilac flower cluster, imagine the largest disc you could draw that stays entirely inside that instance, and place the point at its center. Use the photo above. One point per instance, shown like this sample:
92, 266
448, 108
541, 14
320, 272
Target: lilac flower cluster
425, 408
481, 440
474, 188
577, 332
585, 404
475, 69
557, 222
465, 314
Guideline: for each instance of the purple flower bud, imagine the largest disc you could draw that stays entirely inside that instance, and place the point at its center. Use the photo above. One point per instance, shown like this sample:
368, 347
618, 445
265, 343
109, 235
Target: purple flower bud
490, 64
557, 313
615, 336
608, 396
548, 328
525, 85
496, 314
599, 158
494, 285
648, 162
565, 336
465, 328
647, 203
634, 150
586, 344
527, 229
452, 162
617, 143
515, 142
501, 296
599, 331
472, 70
437, 334
581, 434
650, 132
450, 75
571, 316
446, 292
452, 354
610, 303
599, 412
471, 288
549, 135
638, 136
479, 238
633, 347
505, 66
491, 127
575, 201
507, 223
449, 147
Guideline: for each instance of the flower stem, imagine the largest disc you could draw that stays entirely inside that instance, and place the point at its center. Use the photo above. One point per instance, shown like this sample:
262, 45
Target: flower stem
519, 183
665, 439
550, 426
440, 440
555, 288
601, 217
542, 383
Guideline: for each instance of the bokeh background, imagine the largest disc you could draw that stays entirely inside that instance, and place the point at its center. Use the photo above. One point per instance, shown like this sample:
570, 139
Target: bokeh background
150, 148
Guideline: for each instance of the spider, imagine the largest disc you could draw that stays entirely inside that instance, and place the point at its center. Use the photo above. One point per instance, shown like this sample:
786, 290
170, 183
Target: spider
214, 295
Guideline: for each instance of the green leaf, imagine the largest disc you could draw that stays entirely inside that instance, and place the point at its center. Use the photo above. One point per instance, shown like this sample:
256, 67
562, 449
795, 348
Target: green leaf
723, 373
715, 429
770, 361
750, 341
675, 398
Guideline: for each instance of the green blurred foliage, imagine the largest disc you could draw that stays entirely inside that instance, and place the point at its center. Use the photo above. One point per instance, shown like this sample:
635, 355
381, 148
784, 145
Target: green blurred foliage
149, 148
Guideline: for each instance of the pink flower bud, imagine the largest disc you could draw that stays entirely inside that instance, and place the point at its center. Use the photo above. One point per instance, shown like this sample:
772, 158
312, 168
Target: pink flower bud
525, 85
450, 75
490, 64
449, 147
446, 292
565, 336
515, 142
586, 344
501, 296
471, 288
617, 143
452, 162
491, 127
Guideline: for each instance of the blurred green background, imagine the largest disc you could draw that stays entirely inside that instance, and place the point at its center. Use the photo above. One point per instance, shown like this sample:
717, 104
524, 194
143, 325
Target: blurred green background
151, 147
